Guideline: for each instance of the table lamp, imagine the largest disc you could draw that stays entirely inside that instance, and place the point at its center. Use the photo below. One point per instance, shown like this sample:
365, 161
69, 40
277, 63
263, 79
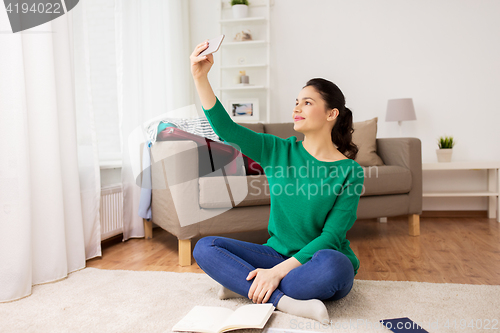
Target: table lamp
399, 110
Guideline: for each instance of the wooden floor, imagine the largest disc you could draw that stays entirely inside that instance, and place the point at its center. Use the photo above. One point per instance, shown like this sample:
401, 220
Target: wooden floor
448, 250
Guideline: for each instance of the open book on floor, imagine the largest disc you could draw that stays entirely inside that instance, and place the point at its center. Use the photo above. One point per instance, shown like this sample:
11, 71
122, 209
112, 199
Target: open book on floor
215, 319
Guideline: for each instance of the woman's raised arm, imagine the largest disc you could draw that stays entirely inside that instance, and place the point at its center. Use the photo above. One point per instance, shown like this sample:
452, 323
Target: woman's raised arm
257, 146
200, 66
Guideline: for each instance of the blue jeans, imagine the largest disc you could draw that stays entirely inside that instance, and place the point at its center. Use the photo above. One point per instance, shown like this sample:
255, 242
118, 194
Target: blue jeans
329, 275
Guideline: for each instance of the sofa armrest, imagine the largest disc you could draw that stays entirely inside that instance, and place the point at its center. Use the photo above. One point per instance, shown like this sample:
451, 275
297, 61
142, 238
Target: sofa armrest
407, 153
175, 200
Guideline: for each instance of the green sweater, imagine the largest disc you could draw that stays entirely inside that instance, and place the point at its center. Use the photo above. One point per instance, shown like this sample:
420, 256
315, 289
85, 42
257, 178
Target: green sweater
313, 202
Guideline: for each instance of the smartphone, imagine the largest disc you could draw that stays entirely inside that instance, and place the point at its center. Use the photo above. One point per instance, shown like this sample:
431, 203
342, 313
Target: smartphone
402, 325
213, 45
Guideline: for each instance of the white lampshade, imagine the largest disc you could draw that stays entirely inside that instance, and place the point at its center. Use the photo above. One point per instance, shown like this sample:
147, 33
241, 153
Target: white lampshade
400, 110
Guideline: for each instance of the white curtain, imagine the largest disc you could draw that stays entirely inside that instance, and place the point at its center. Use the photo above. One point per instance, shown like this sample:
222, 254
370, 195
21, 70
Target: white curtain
154, 78
49, 165
49, 173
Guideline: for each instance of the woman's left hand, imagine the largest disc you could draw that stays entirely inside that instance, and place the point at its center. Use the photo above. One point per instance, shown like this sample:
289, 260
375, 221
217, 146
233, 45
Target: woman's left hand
266, 281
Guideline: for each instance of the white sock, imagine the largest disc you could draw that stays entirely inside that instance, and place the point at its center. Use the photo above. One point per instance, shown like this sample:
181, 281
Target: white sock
225, 293
311, 308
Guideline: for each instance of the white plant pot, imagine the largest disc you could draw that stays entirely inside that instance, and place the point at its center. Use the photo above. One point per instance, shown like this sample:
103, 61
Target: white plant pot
240, 11
444, 155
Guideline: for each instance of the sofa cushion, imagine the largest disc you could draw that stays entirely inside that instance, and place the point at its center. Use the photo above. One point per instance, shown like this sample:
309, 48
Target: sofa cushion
252, 167
386, 179
283, 130
214, 193
365, 137
256, 127
379, 180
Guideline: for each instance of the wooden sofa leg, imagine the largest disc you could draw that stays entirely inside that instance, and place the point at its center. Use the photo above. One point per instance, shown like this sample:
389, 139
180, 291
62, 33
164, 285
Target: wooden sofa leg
414, 224
148, 229
184, 252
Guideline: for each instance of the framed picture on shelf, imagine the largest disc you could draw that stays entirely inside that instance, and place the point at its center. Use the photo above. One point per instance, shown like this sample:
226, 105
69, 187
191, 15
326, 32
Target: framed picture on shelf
244, 109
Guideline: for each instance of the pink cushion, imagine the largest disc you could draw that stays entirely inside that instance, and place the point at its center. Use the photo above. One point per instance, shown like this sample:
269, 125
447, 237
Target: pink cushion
253, 168
222, 155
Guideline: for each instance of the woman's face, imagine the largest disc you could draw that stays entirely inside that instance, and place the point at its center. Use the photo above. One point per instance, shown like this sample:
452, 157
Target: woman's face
310, 106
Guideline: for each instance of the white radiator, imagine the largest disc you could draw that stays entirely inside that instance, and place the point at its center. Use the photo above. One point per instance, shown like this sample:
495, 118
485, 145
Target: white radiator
111, 211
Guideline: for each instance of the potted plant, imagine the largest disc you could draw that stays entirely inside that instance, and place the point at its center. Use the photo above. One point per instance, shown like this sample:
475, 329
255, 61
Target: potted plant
240, 8
445, 144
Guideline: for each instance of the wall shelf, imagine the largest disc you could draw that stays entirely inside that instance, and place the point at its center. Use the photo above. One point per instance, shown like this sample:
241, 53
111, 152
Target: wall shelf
252, 56
461, 194
243, 20
244, 43
242, 88
243, 66
493, 182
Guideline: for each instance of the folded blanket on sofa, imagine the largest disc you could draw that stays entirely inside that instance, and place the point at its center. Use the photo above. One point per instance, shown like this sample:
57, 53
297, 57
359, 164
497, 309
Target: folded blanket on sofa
198, 126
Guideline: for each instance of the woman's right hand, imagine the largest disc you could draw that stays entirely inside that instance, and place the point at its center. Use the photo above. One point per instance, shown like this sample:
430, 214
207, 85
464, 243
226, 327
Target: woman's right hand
200, 66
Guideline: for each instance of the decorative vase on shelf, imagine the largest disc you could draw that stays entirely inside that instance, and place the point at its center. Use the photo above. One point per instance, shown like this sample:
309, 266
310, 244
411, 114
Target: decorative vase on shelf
240, 11
240, 8
444, 155
445, 150
244, 35
244, 78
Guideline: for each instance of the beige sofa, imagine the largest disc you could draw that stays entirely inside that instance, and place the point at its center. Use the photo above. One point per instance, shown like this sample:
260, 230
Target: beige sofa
190, 206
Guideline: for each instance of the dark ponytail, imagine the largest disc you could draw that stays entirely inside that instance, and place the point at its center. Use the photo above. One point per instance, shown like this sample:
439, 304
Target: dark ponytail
343, 128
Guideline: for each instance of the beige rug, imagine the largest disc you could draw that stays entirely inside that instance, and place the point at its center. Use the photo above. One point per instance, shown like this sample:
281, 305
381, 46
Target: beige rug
95, 300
